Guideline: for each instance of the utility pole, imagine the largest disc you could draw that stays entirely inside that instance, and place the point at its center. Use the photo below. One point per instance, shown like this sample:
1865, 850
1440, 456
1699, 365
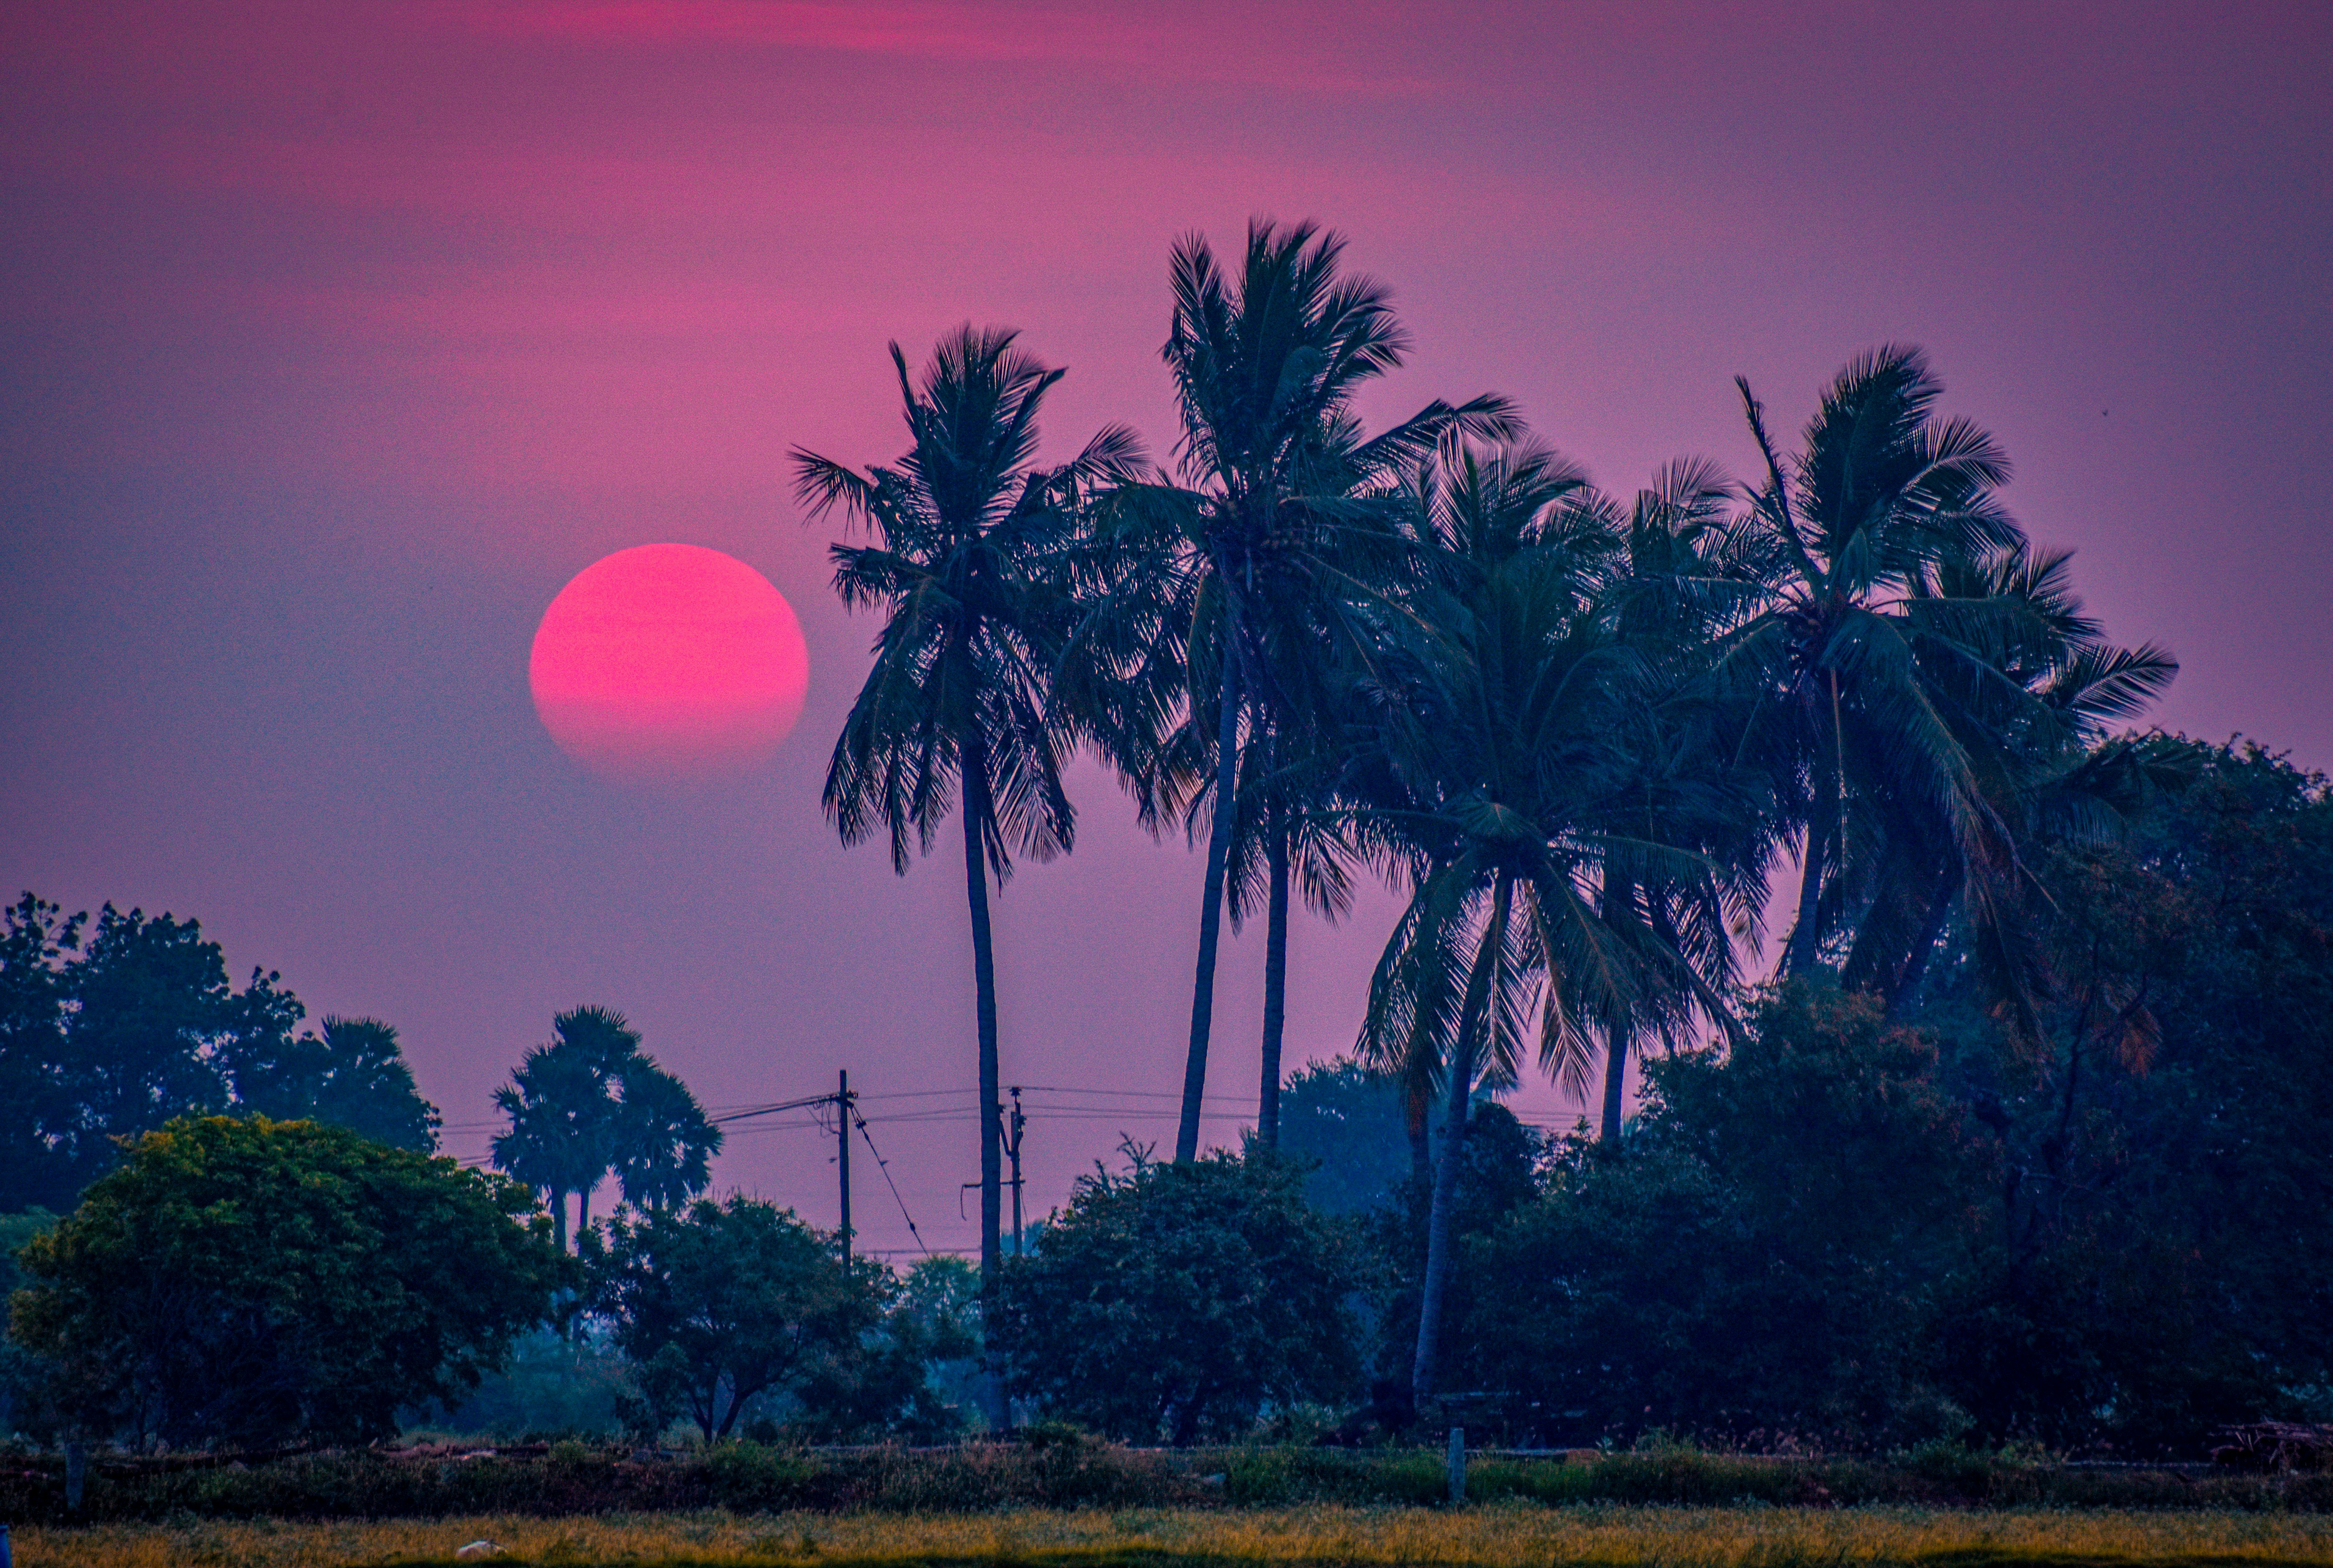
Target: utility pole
1013, 1153
842, 1103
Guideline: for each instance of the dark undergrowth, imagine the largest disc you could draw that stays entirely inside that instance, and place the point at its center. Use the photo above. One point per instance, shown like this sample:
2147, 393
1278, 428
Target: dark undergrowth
574, 1478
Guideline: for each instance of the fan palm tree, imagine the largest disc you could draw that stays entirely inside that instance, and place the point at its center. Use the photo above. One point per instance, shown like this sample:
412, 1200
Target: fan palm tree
1511, 767
563, 1110
969, 567
1264, 556
1850, 667
666, 1142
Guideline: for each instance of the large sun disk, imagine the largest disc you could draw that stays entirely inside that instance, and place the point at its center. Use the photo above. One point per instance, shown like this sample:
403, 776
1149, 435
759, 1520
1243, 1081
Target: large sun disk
669, 662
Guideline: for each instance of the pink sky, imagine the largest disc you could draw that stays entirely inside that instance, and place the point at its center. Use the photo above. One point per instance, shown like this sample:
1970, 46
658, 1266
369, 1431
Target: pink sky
338, 338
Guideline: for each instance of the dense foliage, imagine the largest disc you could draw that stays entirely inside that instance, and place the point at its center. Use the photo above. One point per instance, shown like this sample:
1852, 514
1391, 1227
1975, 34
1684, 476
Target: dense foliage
591, 1103
253, 1282
2109, 1235
108, 1030
1178, 1301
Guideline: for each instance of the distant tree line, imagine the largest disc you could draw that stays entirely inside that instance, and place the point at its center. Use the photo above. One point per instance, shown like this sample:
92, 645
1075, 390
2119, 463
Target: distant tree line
109, 1029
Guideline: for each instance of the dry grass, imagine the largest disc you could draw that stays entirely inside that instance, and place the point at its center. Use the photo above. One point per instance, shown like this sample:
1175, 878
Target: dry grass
1492, 1536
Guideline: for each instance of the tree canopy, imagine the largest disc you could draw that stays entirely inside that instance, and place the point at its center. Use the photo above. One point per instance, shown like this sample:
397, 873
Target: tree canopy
245, 1281
109, 1029
1176, 1301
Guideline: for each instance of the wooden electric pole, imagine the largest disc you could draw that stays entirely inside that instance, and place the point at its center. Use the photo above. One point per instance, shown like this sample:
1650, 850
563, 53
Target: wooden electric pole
842, 1127
1013, 1153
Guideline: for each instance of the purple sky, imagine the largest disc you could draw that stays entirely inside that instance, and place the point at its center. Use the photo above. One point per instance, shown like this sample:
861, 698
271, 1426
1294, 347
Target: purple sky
338, 338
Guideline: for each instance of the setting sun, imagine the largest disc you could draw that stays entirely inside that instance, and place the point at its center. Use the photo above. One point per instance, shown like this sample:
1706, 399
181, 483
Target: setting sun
668, 663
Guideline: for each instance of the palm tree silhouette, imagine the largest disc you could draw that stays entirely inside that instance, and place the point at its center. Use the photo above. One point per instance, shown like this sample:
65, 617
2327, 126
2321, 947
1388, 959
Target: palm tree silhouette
1271, 552
971, 566
564, 1109
665, 1141
1853, 669
1511, 771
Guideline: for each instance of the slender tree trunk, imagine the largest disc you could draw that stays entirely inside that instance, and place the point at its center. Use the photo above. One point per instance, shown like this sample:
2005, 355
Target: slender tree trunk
1932, 931
1275, 979
976, 807
1211, 905
582, 1211
559, 1218
1421, 1143
1616, 1081
1798, 958
1619, 903
1806, 935
1440, 1243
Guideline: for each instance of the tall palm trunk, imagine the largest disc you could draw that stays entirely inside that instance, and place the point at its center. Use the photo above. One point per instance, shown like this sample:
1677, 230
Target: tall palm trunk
1275, 978
1211, 902
583, 1210
1440, 1243
1616, 1081
976, 809
1415, 1116
1906, 995
1620, 901
1806, 935
1798, 958
559, 1217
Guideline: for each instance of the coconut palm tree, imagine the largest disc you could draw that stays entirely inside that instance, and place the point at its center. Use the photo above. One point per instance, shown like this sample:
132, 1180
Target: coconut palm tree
969, 567
1850, 681
1273, 550
1684, 574
1287, 836
1511, 768
2050, 701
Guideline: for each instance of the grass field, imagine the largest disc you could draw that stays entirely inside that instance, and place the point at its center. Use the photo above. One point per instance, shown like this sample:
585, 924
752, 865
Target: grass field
1492, 1536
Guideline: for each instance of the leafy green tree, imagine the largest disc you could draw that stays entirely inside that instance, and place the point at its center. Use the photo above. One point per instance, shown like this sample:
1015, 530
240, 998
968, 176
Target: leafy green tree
1177, 1301
38, 1138
1347, 1122
1232, 586
2103, 1230
21, 1380
2163, 1213
722, 1306
894, 1383
242, 1283
148, 1009
1769, 1261
970, 565
108, 1032
1498, 1174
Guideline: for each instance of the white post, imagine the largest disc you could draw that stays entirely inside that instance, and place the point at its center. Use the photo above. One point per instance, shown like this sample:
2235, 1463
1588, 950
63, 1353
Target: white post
1457, 1464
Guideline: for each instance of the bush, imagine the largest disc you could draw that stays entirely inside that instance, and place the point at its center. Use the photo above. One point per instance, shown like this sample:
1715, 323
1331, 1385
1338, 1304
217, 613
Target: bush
1177, 1301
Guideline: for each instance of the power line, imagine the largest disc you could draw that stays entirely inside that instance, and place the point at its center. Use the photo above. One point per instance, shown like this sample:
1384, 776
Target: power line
883, 1166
